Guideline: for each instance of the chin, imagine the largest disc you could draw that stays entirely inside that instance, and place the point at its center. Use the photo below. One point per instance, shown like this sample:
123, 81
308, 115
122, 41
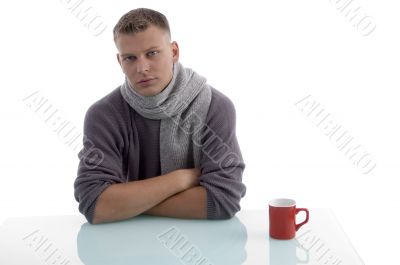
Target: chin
147, 92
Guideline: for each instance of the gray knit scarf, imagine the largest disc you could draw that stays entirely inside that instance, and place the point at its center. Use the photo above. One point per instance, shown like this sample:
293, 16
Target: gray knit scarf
182, 108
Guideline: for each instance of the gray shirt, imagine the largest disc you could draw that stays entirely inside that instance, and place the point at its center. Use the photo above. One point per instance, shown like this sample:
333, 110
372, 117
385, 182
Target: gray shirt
119, 145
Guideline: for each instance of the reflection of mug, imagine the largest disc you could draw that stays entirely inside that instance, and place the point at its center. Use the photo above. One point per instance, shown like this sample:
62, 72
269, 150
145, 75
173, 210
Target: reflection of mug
159, 240
284, 252
282, 218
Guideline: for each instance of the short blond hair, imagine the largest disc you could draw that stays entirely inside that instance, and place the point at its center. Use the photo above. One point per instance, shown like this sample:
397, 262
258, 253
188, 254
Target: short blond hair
138, 20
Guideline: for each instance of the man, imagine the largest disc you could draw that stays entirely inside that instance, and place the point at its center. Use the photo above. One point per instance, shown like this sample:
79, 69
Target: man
164, 142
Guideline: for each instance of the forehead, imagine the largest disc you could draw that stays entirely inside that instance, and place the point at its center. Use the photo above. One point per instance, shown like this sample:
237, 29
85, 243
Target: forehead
142, 41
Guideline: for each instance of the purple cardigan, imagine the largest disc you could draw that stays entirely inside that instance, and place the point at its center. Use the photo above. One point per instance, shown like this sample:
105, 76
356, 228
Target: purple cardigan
119, 145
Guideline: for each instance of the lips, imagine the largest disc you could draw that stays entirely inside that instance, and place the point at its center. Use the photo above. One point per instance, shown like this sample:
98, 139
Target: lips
144, 81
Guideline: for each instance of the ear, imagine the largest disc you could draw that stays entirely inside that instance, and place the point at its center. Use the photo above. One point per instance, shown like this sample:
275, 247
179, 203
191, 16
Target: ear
119, 60
175, 51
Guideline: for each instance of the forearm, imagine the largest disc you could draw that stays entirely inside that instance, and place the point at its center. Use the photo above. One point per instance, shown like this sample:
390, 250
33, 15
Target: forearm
126, 200
191, 203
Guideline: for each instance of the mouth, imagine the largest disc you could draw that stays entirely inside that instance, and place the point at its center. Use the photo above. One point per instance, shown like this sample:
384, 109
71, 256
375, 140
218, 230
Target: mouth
145, 81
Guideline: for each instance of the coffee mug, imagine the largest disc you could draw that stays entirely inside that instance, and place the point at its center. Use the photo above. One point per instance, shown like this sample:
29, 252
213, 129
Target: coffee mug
282, 218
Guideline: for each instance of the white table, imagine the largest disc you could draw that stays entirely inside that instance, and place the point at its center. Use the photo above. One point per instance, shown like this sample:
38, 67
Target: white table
156, 240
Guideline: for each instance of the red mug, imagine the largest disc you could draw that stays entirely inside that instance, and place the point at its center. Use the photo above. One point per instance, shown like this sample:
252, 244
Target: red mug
282, 218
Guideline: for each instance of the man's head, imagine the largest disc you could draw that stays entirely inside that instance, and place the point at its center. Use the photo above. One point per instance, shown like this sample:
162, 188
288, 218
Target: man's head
145, 51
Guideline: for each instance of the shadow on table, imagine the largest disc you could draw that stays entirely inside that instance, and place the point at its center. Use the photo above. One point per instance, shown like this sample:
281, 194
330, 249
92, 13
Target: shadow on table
159, 240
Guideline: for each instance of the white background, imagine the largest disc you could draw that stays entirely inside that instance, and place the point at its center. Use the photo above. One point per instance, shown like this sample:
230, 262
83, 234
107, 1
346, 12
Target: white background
265, 56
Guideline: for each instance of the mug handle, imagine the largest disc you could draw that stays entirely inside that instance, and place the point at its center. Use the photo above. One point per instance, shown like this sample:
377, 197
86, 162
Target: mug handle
307, 216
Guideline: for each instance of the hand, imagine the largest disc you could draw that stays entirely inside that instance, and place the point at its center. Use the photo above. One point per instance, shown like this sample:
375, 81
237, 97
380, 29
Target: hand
189, 177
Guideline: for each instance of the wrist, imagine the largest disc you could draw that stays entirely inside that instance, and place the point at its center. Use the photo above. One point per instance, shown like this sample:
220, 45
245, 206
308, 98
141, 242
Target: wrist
185, 178
177, 176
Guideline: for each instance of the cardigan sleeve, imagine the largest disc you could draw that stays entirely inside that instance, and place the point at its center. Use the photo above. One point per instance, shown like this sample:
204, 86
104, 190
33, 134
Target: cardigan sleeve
221, 162
100, 158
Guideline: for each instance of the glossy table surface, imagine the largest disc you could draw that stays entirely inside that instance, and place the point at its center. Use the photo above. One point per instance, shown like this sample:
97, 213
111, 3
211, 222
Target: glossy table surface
156, 240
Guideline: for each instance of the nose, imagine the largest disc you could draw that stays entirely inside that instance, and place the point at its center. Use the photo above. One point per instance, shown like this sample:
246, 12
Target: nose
142, 65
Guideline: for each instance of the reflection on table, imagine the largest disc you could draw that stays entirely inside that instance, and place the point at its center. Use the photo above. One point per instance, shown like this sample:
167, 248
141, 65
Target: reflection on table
157, 240
70, 240
287, 252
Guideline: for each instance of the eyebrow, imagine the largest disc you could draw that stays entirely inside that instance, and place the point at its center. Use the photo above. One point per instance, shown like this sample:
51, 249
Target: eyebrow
130, 54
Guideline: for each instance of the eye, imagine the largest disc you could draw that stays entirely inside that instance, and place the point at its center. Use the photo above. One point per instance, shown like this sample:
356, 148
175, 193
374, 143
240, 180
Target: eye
153, 53
129, 58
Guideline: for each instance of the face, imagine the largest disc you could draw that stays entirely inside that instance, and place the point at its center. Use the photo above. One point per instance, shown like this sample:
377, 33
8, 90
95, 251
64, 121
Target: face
147, 59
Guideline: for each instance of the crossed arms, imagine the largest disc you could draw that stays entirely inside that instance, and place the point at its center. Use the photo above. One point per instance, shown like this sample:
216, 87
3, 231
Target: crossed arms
176, 194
